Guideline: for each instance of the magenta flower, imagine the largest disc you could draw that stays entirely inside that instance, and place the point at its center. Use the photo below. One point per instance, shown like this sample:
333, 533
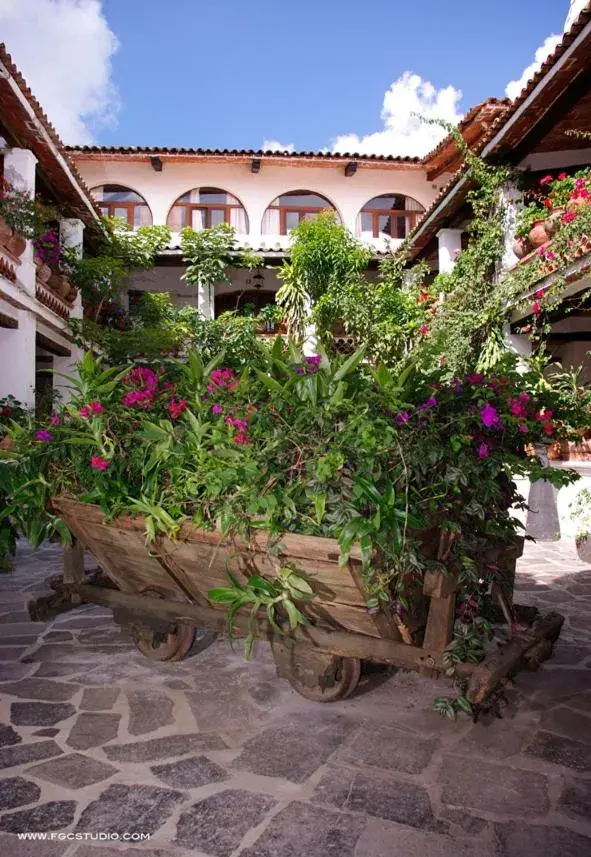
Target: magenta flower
489, 416
424, 329
241, 438
99, 463
536, 308
483, 450
546, 180
96, 407
176, 407
523, 428
43, 435
84, 411
241, 425
217, 409
401, 418
561, 177
55, 420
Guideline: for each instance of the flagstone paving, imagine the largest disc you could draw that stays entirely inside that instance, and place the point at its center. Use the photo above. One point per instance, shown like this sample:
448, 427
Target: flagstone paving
216, 756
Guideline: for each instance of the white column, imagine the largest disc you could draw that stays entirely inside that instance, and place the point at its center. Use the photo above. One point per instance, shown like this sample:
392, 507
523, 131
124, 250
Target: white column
310, 345
512, 202
205, 300
71, 234
519, 344
450, 247
17, 359
19, 170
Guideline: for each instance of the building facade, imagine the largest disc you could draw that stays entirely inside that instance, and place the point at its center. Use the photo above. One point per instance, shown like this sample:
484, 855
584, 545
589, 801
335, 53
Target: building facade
34, 313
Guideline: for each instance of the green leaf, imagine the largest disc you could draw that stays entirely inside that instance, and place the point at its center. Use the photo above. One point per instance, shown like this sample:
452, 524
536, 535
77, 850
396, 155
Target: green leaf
349, 365
222, 595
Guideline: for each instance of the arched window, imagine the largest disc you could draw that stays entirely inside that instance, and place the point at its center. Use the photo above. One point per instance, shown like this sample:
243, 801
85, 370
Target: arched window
203, 207
114, 200
290, 208
388, 216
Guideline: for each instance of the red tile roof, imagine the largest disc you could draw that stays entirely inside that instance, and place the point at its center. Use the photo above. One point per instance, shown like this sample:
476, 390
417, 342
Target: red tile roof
61, 174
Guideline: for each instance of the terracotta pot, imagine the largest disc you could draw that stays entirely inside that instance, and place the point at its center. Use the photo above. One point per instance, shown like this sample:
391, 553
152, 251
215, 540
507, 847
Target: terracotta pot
575, 204
72, 294
537, 234
59, 284
5, 232
584, 548
520, 248
16, 244
43, 270
552, 224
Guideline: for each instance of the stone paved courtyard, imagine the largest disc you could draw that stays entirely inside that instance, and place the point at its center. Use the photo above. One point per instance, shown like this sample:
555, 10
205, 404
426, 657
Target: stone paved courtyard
215, 756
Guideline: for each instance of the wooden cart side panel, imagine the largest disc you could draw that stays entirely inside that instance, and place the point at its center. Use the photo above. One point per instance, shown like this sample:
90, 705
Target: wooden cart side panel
200, 564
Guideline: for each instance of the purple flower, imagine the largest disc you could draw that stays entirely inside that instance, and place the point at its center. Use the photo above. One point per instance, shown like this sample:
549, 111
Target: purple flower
402, 418
216, 409
489, 416
475, 379
43, 435
431, 402
458, 386
299, 370
483, 450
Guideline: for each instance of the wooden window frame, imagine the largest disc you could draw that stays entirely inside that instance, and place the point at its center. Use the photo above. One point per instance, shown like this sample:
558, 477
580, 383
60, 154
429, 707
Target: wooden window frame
189, 207
410, 216
300, 210
129, 206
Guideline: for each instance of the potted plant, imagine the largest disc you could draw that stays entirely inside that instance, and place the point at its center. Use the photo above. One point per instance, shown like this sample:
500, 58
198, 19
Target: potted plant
26, 217
272, 316
580, 510
530, 224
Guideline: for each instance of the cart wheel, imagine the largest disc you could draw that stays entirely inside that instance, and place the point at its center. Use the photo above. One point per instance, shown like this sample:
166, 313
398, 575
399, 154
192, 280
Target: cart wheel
318, 676
170, 645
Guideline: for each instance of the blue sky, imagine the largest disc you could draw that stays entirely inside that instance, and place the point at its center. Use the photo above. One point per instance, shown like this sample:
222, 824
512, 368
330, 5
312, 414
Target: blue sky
228, 74
310, 74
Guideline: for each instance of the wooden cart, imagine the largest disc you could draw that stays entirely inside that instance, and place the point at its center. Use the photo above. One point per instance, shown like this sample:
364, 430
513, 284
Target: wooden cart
159, 593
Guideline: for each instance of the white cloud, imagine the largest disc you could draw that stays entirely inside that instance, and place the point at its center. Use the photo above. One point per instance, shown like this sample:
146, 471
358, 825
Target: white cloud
513, 88
407, 100
276, 146
63, 49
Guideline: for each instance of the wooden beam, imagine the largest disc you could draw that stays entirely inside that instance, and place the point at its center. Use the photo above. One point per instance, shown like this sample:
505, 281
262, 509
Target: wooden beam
351, 169
156, 162
255, 165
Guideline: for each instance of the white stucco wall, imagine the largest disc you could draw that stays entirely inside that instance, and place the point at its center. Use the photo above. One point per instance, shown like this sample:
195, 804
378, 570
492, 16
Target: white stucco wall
257, 190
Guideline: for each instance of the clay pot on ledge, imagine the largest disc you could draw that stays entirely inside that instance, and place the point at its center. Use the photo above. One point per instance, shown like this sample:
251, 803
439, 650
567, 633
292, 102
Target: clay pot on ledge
59, 284
578, 202
72, 294
552, 224
555, 451
521, 247
537, 234
5, 232
16, 244
43, 270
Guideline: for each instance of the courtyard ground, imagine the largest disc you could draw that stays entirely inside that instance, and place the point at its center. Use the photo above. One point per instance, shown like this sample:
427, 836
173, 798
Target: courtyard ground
216, 756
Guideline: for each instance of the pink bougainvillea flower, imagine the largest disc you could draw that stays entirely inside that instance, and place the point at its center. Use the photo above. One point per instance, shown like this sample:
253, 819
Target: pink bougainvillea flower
224, 378
143, 398
541, 292
548, 428
541, 251
424, 329
84, 411
483, 450
561, 177
241, 438
43, 435
176, 407
568, 216
546, 180
401, 418
489, 416
217, 409
98, 463
536, 308
241, 425
55, 420
517, 407
96, 407
142, 377
523, 428
477, 378
549, 255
